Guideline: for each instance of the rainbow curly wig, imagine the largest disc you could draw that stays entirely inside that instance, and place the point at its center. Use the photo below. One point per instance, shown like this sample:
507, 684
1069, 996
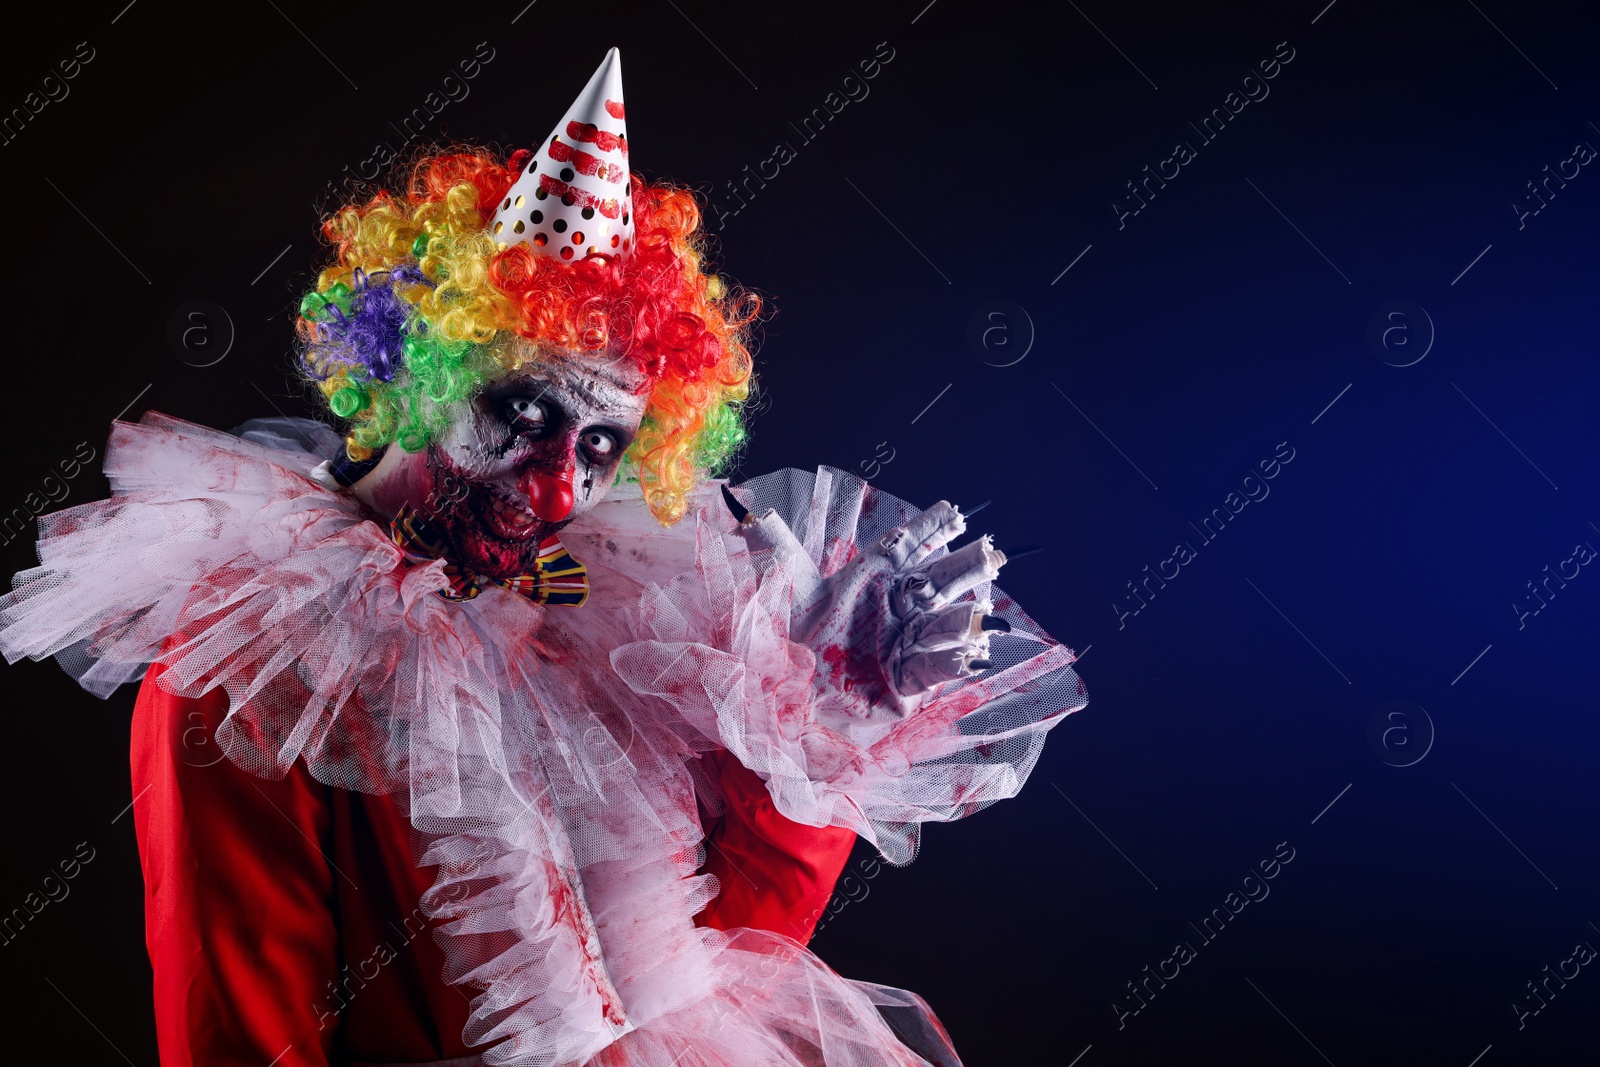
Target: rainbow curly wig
414, 315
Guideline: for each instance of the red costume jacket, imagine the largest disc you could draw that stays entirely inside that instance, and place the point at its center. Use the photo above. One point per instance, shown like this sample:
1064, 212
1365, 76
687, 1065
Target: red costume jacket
283, 922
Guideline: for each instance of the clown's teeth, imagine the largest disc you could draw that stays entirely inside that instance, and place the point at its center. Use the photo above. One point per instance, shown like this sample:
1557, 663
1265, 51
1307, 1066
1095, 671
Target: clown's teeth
511, 512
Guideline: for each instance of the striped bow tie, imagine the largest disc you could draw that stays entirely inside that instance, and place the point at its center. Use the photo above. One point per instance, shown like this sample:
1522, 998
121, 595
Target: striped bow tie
557, 578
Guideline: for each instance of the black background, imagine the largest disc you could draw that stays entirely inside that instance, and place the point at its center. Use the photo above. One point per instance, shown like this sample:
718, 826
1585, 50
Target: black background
1228, 316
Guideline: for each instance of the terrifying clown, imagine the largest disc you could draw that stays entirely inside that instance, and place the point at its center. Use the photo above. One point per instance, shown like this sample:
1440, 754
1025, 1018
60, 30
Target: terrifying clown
496, 731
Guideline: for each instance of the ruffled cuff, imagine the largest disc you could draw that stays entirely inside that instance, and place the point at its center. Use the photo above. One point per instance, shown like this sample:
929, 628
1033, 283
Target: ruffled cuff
716, 644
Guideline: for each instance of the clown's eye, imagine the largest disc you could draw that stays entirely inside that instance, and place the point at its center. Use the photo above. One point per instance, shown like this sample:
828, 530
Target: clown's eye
526, 414
599, 443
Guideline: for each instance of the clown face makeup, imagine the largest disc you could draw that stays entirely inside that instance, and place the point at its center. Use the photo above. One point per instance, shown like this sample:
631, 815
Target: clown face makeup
532, 451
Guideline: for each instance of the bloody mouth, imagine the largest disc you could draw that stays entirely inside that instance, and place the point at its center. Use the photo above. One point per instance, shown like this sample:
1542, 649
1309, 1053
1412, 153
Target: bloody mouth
509, 520
489, 529
494, 535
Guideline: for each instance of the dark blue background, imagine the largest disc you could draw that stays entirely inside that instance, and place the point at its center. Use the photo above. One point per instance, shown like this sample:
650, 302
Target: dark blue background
1229, 712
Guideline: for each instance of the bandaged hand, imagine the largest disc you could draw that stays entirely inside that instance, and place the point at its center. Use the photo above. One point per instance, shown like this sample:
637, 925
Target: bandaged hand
896, 620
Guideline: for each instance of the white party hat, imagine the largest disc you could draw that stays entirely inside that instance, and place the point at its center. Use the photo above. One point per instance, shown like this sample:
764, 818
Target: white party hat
573, 199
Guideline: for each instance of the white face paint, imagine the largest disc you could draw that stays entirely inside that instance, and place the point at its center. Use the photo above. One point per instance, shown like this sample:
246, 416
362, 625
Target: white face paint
531, 452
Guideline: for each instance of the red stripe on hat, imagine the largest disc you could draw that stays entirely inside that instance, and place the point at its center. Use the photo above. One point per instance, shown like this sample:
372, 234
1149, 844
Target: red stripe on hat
601, 139
584, 163
614, 109
555, 187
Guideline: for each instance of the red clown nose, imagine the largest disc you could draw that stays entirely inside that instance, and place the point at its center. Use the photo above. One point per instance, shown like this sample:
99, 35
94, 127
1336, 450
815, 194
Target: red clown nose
549, 495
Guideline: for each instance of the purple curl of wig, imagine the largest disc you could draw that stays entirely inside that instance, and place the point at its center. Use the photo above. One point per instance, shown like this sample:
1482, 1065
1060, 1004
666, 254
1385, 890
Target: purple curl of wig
371, 335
